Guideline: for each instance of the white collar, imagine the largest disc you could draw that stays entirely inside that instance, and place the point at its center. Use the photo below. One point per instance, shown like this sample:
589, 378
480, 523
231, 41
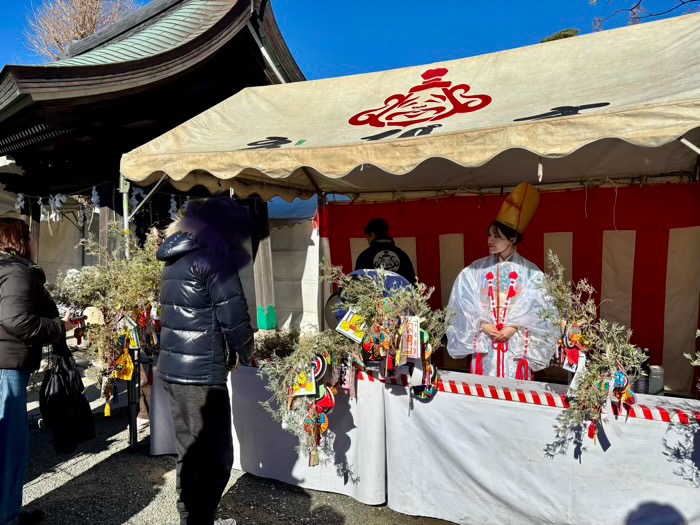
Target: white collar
498, 257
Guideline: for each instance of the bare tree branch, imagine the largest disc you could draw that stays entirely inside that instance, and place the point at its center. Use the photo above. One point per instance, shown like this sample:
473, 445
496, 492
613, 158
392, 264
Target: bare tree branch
637, 12
56, 23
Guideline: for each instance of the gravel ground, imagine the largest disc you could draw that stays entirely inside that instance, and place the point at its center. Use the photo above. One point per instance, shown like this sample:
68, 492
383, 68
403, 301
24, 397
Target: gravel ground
106, 483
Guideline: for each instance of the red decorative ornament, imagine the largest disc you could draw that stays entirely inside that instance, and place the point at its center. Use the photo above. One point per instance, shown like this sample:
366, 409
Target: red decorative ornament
320, 366
592, 430
522, 373
572, 356
327, 403
478, 364
434, 99
511, 291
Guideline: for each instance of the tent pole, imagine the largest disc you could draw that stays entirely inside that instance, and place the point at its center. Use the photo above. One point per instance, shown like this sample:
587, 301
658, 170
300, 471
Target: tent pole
124, 190
313, 182
132, 387
690, 145
145, 199
262, 262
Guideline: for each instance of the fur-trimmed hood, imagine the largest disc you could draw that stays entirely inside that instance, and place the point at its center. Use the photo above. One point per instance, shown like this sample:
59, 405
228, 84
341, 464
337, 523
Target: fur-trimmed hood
215, 224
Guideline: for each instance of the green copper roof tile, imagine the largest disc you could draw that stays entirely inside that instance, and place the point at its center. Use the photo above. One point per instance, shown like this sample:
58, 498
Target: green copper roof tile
184, 23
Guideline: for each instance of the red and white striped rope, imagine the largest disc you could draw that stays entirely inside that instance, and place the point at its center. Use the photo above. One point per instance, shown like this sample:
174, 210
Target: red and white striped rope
547, 399
373, 377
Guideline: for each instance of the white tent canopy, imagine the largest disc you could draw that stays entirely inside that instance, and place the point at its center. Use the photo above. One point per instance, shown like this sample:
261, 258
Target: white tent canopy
606, 105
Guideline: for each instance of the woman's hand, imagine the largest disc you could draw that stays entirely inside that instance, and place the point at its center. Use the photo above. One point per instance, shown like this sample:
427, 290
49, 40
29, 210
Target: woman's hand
490, 330
506, 333
67, 322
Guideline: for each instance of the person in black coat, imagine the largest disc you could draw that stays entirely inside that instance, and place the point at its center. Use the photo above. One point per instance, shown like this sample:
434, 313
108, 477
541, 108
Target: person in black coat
204, 326
28, 321
383, 252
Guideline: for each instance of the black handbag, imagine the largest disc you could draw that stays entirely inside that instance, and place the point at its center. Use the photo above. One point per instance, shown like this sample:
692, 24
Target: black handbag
64, 408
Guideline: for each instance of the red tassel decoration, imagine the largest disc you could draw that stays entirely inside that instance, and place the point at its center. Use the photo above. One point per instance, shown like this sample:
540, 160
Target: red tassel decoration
478, 364
523, 371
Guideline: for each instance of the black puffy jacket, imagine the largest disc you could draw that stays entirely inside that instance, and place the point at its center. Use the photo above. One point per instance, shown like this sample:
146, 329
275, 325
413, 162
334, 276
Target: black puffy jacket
204, 317
28, 316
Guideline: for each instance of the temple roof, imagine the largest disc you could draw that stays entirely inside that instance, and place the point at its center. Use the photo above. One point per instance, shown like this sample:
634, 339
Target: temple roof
161, 26
133, 81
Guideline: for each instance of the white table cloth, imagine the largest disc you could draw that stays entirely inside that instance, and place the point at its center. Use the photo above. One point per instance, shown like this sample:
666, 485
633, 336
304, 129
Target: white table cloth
477, 460
471, 459
357, 468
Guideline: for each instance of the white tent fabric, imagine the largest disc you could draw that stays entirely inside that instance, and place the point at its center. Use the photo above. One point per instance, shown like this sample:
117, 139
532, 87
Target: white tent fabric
295, 262
609, 104
283, 214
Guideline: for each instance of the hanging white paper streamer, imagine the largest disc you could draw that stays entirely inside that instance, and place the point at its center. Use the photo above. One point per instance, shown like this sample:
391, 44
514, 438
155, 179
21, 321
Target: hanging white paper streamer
42, 211
95, 198
53, 213
81, 216
95, 201
173, 208
19, 203
580, 369
608, 417
55, 203
136, 194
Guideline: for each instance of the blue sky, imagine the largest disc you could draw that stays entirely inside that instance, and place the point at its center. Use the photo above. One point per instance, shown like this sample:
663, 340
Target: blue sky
331, 38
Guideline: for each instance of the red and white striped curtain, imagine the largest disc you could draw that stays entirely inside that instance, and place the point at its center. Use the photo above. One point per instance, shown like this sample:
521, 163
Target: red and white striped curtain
638, 246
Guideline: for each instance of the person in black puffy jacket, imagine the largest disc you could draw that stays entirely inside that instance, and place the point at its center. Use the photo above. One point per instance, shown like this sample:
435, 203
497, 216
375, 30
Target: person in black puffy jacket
28, 321
204, 326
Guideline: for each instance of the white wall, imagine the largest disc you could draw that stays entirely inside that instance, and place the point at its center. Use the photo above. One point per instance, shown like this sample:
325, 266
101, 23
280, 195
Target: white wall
56, 248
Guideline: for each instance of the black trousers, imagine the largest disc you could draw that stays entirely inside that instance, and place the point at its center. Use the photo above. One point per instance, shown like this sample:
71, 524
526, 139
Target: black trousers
202, 420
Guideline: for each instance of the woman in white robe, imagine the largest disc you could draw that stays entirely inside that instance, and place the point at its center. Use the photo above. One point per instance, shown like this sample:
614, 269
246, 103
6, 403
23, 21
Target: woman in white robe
498, 305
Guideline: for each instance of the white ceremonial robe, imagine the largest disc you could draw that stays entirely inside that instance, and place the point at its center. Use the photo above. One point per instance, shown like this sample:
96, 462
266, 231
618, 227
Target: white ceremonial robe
481, 295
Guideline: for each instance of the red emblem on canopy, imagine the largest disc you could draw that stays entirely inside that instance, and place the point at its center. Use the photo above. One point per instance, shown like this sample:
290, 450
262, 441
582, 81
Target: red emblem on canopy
434, 99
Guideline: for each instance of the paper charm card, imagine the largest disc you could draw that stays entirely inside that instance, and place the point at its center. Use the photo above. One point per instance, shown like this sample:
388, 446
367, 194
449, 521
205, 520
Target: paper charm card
304, 384
352, 326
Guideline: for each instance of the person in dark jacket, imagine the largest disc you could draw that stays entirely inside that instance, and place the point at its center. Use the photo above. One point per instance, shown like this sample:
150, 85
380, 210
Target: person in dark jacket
383, 252
28, 321
204, 326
